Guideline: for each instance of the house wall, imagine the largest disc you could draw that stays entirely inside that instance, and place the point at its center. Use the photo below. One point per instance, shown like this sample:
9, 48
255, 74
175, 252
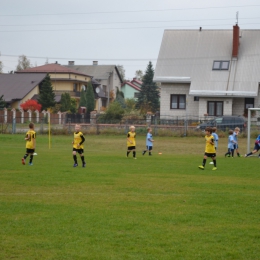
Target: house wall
129, 92
192, 107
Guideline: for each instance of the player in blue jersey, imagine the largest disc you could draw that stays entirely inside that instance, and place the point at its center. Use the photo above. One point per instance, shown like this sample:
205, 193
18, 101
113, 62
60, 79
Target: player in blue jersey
231, 143
149, 141
215, 135
256, 148
235, 135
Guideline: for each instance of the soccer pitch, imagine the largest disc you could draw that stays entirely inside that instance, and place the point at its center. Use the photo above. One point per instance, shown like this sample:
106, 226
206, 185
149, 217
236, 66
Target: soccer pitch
155, 207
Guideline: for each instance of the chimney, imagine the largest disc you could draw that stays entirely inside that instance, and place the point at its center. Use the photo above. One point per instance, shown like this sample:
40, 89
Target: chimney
200, 29
95, 62
235, 41
71, 63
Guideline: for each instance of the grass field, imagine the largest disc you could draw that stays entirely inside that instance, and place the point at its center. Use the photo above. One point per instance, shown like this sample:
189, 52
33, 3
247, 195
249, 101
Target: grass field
157, 207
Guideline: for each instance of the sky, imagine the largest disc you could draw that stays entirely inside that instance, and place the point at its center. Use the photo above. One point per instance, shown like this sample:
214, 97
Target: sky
118, 32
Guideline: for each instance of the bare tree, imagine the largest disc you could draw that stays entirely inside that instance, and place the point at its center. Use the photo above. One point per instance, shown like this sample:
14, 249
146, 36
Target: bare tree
139, 74
23, 63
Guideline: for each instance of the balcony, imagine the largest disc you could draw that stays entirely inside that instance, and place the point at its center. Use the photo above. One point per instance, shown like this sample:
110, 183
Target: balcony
72, 93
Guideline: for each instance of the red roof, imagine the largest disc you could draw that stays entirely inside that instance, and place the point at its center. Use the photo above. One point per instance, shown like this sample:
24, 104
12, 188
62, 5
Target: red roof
51, 68
131, 85
139, 82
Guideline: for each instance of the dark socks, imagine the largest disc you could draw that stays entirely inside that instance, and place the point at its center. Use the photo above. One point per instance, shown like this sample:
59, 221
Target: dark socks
232, 153
25, 156
134, 154
249, 154
82, 159
75, 158
204, 162
144, 152
127, 153
31, 158
215, 163
150, 153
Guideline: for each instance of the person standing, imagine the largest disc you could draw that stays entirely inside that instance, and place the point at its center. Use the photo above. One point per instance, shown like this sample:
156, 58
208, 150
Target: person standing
30, 144
210, 150
235, 135
78, 147
231, 144
149, 141
131, 144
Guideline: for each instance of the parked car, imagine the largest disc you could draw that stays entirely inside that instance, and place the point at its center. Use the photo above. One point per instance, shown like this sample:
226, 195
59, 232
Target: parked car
225, 123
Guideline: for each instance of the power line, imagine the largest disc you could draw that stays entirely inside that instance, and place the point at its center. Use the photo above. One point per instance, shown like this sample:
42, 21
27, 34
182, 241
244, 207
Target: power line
138, 11
125, 28
168, 21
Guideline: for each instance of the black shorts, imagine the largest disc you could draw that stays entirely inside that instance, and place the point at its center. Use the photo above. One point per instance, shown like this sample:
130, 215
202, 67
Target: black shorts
130, 148
256, 147
211, 155
80, 151
149, 148
29, 150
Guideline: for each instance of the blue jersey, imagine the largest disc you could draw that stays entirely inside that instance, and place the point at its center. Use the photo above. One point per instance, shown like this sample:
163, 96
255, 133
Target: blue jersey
231, 142
257, 141
149, 138
215, 135
235, 137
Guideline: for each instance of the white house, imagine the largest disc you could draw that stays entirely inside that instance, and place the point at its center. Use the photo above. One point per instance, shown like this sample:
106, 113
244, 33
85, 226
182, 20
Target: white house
208, 72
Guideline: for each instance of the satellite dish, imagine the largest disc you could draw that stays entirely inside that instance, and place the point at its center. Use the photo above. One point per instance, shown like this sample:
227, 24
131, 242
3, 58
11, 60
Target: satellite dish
83, 87
97, 89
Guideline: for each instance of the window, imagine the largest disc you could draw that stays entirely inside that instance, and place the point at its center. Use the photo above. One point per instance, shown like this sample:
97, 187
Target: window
249, 103
215, 108
220, 65
178, 101
75, 87
196, 99
136, 94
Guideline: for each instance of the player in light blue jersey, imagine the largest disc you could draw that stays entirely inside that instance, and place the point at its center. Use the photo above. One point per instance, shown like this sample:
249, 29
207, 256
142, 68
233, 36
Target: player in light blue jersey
231, 143
215, 135
256, 148
149, 141
235, 135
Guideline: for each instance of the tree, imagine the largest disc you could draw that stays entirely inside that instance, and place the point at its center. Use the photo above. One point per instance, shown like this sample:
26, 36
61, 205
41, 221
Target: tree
90, 98
47, 95
73, 105
32, 105
23, 63
120, 98
139, 74
121, 71
2, 102
65, 102
1, 67
148, 98
114, 113
83, 98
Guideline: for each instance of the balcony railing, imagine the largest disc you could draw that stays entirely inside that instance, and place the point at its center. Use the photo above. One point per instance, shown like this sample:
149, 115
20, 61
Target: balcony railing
72, 93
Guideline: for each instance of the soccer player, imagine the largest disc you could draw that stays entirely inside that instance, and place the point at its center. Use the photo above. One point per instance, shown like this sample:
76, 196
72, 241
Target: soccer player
235, 134
210, 150
215, 135
231, 144
256, 148
149, 141
30, 139
78, 147
131, 141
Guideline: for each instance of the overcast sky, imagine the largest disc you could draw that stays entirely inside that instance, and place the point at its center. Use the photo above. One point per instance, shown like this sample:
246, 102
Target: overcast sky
120, 32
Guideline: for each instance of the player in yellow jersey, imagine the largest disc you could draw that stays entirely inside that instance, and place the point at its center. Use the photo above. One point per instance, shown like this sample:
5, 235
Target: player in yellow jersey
210, 150
131, 141
77, 143
30, 139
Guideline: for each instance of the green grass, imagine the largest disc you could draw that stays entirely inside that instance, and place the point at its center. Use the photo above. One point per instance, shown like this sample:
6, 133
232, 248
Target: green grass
159, 207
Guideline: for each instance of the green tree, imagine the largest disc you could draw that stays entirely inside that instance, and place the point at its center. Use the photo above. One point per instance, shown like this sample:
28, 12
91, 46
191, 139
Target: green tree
2, 102
148, 98
114, 113
46, 96
90, 97
139, 74
120, 98
73, 106
83, 98
23, 63
65, 102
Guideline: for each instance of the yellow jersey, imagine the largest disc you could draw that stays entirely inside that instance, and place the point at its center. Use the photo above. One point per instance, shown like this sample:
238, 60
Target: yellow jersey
30, 142
210, 146
131, 137
78, 139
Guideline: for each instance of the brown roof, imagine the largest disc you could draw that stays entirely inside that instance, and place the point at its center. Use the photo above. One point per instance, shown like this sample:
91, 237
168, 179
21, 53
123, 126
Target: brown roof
51, 68
17, 86
131, 85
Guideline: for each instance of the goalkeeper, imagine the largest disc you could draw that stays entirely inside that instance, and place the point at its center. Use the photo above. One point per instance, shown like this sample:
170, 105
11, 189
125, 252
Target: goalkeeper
256, 148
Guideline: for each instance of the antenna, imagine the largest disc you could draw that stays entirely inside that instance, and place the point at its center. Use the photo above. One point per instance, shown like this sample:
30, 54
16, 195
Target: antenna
237, 16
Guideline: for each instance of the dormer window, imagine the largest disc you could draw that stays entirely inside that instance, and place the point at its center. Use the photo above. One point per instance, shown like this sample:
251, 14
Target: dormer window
220, 65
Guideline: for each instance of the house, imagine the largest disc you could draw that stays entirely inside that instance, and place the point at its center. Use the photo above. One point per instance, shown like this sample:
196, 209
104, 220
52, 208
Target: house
208, 72
18, 88
131, 88
63, 79
107, 76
